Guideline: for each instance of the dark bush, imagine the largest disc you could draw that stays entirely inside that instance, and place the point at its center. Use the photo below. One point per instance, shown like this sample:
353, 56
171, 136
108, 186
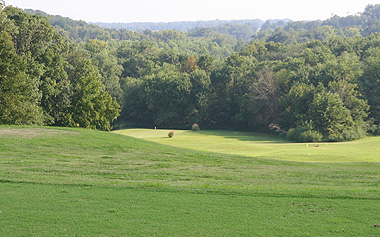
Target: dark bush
171, 134
294, 133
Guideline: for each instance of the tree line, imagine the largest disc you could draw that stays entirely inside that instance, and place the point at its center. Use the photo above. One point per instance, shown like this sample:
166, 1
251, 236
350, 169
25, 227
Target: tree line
361, 24
320, 90
45, 80
308, 84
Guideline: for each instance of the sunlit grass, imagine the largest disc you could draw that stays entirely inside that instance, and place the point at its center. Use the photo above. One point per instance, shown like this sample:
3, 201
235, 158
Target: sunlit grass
264, 146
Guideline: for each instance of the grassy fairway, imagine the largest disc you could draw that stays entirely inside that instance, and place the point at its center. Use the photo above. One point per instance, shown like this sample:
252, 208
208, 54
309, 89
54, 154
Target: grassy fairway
34, 209
264, 146
57, 181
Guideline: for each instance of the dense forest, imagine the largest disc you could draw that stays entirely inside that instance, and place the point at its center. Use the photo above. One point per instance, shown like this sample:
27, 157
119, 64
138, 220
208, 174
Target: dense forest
308, 81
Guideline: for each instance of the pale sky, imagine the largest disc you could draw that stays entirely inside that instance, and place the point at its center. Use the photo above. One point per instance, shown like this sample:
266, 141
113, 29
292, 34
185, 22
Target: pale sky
192, 10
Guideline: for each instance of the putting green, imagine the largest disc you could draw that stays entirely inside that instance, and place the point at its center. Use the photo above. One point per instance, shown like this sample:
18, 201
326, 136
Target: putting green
263, 145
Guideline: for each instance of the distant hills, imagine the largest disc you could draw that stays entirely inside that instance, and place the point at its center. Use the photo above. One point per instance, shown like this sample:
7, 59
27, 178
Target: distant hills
284, 31
179, 25
239, 29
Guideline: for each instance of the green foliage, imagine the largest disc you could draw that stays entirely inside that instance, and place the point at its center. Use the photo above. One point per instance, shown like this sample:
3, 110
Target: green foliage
55, 86
205, 63
293, 134
295, 105
107, 65
92, 106
229, 85
18, 92
310, 136
168, 97
200, 95
48, 81
330, 116
364, 24
354, 134
370, 80
33, 34
265, 83
5, 23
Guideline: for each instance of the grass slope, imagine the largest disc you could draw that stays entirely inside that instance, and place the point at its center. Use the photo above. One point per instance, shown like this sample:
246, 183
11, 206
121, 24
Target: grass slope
57, 181
262, 145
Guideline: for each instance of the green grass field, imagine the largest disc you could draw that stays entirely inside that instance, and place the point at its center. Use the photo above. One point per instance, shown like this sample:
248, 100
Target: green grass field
60, 181
264, 146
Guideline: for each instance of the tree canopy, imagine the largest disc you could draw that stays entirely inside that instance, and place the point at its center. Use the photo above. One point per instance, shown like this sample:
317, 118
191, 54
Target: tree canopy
45, 80
308, 81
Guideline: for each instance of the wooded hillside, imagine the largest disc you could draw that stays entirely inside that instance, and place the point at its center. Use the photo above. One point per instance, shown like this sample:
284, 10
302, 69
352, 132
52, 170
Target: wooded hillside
309, 81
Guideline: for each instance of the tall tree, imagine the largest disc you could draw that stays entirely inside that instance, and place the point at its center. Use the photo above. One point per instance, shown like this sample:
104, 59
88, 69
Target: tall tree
168, 96
107, 65
370, 82
19, 97
330, 116
91, 106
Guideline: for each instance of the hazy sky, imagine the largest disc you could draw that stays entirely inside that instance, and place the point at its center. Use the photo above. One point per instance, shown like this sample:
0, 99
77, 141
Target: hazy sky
178, 10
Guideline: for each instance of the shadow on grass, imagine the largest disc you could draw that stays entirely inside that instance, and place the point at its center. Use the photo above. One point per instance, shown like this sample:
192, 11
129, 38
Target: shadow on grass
245, 136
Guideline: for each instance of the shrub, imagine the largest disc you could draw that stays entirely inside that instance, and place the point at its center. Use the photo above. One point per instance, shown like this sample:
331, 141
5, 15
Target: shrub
335, 137
290, 134
310, 136
171, 133
347, 135
353, 134
294, 133
195, 127
371, 127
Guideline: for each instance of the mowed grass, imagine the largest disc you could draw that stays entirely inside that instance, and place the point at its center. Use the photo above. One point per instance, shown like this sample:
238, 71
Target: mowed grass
51, 210
56, 181
264, 146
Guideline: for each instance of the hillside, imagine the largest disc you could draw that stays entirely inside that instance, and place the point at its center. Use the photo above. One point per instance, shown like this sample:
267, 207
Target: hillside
49, 155
59, 181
